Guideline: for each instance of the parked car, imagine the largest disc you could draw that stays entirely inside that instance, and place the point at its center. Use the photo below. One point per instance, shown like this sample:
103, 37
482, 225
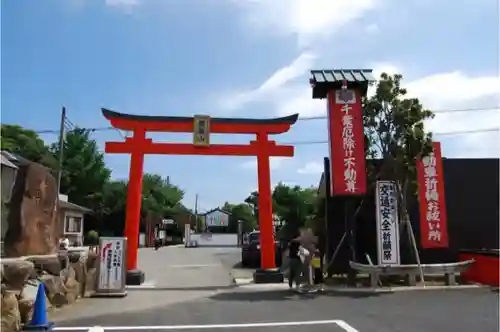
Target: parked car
250, 250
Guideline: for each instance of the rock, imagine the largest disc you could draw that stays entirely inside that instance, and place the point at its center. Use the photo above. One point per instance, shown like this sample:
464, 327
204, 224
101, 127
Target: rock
68, 273
16, 273
80, 269
32, 218
51, 265
92, 260
55, 290
30, 290
72, 290
75, 256
11, 317
26, 310
91, 281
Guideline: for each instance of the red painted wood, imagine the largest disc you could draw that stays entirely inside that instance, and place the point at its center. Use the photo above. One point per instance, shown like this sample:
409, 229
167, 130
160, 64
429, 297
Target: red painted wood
190, 149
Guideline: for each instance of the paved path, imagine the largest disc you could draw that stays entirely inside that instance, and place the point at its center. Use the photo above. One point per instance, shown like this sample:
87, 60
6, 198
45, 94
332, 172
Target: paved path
265, 310
179, 268
179, 303
173, 275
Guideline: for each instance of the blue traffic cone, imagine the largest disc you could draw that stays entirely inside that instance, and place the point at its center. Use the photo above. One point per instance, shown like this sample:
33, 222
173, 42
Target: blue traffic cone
39, 321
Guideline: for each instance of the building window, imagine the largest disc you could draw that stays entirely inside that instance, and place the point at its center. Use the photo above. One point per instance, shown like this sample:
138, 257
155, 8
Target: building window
73, 224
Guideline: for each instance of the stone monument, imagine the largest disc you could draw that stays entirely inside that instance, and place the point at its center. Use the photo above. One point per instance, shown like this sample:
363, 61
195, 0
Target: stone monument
32, 219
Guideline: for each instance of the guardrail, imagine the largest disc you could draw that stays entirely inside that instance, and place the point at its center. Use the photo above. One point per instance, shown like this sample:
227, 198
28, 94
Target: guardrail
410, 271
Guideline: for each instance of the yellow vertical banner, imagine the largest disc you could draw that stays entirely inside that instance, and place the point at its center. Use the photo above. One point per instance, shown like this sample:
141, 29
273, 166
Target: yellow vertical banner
201, 130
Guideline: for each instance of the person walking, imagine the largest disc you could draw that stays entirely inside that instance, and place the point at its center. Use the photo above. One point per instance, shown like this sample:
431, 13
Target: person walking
294, 264
318, 271
308, 243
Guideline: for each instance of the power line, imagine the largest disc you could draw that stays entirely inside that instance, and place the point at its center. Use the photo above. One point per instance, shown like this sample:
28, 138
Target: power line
451, 133
320, 117
463, 132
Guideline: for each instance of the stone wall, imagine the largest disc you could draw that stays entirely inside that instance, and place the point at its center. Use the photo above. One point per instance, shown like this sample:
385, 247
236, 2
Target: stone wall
67, 277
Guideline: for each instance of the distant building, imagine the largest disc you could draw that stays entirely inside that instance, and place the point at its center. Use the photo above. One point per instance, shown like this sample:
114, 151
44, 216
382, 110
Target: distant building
9, 171
216, 219
71, 220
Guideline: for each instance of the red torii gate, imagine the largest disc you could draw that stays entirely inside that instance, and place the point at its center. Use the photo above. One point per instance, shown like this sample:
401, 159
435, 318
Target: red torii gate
201, 126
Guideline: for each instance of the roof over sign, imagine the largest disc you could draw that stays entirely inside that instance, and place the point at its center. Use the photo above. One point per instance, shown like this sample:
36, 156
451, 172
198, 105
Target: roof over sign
324, 80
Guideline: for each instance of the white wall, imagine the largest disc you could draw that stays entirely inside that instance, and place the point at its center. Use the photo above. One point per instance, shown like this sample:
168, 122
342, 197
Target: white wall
215, 240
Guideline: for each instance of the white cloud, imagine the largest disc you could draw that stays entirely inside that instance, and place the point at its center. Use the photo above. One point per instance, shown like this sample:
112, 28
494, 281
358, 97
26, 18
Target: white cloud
273, 84
388, 68
313, 167
283, 92
123, 4
275, 163
372, 28
457, 91
307, 20
454, 90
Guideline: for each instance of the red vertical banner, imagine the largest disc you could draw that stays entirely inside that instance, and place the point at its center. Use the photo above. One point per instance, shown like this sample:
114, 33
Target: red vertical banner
346, 142
433, 223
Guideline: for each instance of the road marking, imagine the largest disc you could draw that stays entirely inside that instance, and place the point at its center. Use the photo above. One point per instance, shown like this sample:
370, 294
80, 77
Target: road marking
210, 327
96, 329
346, 326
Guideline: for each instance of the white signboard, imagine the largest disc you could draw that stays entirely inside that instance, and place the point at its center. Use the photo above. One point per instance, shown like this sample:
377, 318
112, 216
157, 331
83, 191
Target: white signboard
217, 218
167, 221
387, 223
112, 266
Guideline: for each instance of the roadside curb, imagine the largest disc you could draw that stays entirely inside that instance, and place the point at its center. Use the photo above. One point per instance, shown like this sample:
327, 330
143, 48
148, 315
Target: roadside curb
248, 282
400, 289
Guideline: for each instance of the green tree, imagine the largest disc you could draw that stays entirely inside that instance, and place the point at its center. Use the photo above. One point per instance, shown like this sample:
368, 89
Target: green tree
160, 197
241, 212
394, 128
84, 170
295, 205
253, 201
25, 143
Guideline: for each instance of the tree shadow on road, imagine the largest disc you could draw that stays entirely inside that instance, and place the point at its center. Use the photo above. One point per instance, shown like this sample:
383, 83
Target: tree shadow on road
285, 295
255, 296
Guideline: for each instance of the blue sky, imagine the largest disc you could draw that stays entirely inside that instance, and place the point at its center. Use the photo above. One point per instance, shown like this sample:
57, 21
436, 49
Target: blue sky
243, 59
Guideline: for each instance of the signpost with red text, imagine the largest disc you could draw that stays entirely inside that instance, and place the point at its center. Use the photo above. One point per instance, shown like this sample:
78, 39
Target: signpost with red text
346, 142
344, 89
433, 223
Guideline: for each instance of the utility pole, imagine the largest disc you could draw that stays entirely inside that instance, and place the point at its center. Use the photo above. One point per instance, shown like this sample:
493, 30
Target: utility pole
61, 149
196, 213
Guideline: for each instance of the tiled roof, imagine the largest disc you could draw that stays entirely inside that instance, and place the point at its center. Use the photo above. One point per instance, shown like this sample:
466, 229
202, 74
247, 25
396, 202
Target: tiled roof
6, 162
75, 207
324, 80
216, 209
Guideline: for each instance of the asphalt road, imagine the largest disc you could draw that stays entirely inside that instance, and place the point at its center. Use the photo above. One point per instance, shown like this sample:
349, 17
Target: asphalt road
263, 308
